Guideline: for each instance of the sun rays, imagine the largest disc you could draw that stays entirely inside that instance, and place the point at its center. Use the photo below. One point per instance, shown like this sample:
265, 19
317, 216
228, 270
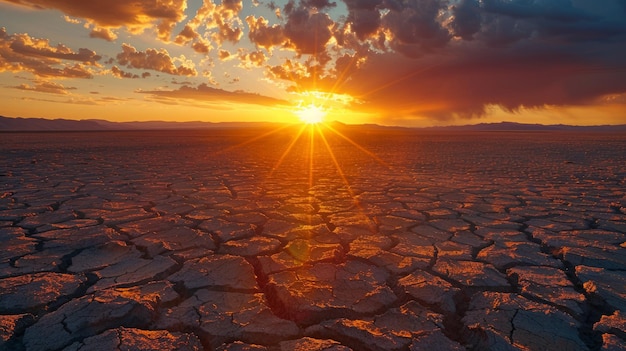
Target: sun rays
319, 158
316, 151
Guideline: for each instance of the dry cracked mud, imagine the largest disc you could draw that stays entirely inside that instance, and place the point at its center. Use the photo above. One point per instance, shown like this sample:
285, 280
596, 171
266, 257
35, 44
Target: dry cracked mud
360, 239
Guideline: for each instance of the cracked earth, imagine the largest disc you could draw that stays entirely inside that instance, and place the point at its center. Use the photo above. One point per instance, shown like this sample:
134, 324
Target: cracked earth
365, 240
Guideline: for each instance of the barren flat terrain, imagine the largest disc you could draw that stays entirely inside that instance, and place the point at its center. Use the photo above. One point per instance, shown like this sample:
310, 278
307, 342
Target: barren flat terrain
312, 238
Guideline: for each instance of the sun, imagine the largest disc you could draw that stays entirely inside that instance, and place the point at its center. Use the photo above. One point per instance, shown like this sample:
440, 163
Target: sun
311, 114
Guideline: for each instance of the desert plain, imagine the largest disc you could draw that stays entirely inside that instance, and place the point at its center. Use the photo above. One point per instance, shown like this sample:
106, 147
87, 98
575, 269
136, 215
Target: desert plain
312, 238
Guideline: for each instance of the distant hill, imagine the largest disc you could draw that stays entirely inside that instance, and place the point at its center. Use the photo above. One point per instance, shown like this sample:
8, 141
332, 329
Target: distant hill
151, 125
42, 124
513, 126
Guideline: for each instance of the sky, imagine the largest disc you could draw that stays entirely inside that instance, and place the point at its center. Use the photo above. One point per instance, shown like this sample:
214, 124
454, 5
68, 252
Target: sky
390, 62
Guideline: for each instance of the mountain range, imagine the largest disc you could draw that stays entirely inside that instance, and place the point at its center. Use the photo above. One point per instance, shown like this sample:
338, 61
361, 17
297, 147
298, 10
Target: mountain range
41, 124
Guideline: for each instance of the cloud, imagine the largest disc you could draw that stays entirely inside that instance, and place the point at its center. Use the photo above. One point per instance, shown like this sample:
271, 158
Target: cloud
117, 72
153, 59
201, 46
69, 19
559, 10
466, 19
136, 15
226, 21
212, 26
103, 33
306, 29
232, 6
318, 4
307, 32
46, 87
186, 35
414, 27
80, 100
213, 23
364, 17
224, 55
465, 83
251, 59
190, 36
263, 35
290, 70
451, 59
23, 44
20, 52
205, 93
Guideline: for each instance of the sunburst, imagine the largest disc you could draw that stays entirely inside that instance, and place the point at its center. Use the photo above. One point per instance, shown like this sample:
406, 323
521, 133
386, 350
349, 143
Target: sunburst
311, 137
311, 114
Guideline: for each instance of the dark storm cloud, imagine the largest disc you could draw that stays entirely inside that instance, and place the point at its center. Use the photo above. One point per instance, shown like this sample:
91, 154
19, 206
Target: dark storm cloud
414, 26
464, 84
363, 16
308, 32
466, 19
318, 4
504, 22
557, 10
456, 58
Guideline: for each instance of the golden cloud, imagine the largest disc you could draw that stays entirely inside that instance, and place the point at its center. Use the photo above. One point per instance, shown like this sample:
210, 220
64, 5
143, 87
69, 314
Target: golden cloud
136, 15
103, 33
203, 92
20, 52
153, 59
46, 87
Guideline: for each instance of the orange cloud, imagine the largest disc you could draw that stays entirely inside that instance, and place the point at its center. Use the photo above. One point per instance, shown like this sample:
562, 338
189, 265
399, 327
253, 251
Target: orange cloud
69, 19
80, 100
20, 52
290, 70
137, 15
103, 33
250, 59
224, 55
117, 72
226, 22
46, 87
186, 35
152, 59
213, 24
203, 92
263, 35
22, 44
201, 46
